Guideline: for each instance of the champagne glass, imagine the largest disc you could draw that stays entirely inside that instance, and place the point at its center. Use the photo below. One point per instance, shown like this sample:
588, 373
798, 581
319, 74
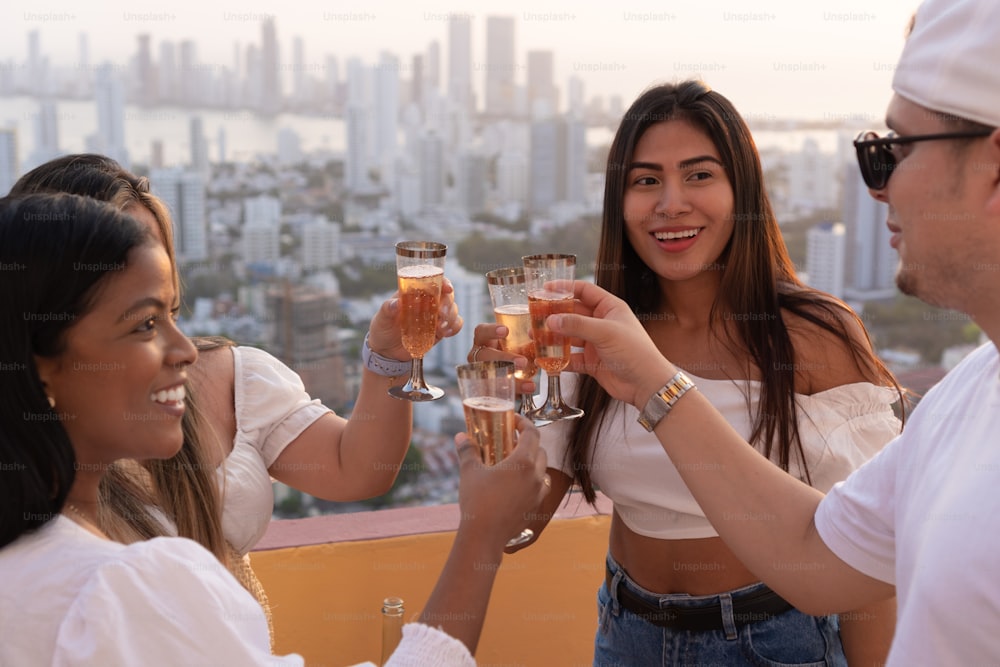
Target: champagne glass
488, 392
549, 280
509, 295
420, 271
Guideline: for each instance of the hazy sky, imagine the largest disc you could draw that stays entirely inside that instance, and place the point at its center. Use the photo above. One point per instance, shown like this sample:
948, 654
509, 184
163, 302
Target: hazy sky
773, 58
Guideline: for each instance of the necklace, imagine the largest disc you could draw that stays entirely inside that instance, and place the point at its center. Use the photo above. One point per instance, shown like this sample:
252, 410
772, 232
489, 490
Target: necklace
78, 512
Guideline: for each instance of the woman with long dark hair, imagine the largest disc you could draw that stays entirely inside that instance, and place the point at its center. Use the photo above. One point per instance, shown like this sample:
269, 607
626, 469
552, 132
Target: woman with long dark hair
94, 372
249, 417
690, 242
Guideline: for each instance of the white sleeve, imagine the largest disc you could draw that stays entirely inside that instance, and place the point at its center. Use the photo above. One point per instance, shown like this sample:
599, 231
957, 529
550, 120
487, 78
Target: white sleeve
424, 645
272, 405
856, 519
858, 421
167, 601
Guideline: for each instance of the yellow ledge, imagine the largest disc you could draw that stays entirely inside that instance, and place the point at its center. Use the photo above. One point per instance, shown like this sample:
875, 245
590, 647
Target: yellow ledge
326, 578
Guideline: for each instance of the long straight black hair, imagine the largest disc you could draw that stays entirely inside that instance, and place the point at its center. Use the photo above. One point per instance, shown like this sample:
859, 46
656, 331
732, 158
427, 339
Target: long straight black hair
55, 253
757, 276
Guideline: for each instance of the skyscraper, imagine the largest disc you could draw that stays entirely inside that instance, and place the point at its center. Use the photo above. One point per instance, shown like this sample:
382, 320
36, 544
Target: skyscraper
148, 88
168, 79
299, 95
199, 147
544, 165
825, 249
543, 97
8, 158
270, 93
261, 230
432, 170
109, 96
190, 74
460, 62
46, 134
500, 65
471, 178
386, 116
871, 261
183, 191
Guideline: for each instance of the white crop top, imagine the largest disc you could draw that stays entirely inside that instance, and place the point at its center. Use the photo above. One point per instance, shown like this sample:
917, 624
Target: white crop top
839, 428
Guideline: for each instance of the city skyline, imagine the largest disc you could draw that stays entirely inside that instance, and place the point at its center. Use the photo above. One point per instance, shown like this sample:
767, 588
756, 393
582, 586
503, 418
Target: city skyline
774, 59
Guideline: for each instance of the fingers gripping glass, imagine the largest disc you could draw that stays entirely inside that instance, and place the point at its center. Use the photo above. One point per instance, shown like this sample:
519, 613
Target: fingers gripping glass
877, 159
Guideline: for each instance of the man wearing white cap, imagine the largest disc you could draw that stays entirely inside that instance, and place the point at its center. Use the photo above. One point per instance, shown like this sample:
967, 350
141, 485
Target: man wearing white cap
922, 518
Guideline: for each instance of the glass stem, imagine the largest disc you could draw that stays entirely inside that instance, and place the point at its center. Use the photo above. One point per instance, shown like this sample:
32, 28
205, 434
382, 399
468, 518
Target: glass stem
417, 374
554, 398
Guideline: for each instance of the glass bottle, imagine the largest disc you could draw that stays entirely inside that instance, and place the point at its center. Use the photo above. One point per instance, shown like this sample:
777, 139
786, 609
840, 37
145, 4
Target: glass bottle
392, 626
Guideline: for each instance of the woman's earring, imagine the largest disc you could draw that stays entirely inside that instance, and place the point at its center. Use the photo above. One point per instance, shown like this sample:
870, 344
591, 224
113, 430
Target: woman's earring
52, 401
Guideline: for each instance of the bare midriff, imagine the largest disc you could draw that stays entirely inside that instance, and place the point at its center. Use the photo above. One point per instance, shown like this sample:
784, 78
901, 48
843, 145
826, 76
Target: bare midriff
701, 566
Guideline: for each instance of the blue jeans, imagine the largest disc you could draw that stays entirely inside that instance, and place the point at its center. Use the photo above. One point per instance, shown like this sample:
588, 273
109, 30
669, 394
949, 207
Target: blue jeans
792, 638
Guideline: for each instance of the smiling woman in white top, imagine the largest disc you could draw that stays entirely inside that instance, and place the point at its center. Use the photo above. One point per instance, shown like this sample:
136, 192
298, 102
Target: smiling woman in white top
690, 242
94, 372
249, 418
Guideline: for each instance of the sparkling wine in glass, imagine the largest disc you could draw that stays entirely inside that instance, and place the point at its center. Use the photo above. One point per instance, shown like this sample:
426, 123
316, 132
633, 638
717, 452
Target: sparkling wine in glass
549, 280
509, 295
488, 394
420, 272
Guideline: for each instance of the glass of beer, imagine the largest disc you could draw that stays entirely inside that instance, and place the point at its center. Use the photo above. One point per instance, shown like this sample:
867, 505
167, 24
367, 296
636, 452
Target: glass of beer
549, 280
509, 295
488, 391
420, 271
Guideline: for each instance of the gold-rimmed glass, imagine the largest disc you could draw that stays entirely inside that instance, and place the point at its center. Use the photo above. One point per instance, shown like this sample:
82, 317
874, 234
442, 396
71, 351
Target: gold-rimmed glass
549, 280
420, 272
509, 294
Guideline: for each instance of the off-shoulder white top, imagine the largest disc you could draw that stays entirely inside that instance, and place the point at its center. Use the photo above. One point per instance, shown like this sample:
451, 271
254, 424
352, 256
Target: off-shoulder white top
840, 429
272, 409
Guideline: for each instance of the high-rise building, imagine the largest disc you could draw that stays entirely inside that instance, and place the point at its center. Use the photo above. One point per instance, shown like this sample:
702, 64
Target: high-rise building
356, 161
9, 171
168, 80
305, 337
500, 65
871, 261
386, 116
460, 62
109, 96
190, 74
148, 88
512, 177
199, 147
36, 69
270, 93
432, 170
575, 102
183, 191
299, 78
558, 161
543, 97
320, 244
825, 248
432, 71
544, 166
471, 178
417, 84
46, 134
261, 230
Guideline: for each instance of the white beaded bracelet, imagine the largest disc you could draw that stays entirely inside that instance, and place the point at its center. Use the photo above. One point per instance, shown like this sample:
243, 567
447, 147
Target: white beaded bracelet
383, 366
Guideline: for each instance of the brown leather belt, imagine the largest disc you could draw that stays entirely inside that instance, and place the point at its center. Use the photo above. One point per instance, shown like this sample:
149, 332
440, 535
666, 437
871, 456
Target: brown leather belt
760, 605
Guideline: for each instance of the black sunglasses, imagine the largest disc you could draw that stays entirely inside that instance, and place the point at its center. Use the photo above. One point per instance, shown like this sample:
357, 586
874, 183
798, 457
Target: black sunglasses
877, 159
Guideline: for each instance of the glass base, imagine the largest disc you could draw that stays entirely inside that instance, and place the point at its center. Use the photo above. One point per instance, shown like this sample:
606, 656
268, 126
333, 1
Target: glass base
526, 535
410, 392
550, 413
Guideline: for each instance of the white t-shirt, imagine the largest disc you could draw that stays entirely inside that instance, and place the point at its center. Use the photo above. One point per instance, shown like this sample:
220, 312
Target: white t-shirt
71, 598
839, 429
924, 514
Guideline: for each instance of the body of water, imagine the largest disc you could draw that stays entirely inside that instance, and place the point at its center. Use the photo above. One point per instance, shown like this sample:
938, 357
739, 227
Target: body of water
247, 135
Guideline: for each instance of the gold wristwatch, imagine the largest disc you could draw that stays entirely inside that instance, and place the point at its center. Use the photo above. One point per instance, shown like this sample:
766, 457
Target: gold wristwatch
662, 402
